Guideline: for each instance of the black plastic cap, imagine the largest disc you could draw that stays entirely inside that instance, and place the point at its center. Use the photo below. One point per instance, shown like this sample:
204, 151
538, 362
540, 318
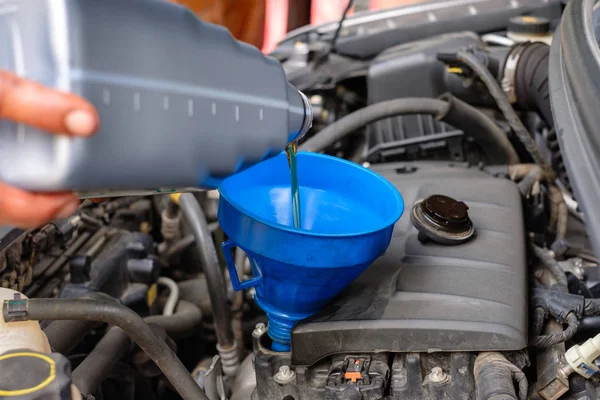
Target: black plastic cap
526, 24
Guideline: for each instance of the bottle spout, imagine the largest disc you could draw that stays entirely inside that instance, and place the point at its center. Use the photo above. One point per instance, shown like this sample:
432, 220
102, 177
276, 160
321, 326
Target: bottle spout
300, 114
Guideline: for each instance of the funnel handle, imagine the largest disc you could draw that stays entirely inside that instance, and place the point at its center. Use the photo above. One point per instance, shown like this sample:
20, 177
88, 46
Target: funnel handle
235, 280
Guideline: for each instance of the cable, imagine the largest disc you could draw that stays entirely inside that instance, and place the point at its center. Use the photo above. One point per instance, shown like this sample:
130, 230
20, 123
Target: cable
591, 307
545, 341
509, 113
113, 314
549, 263
336, 35
539, 316
173, 295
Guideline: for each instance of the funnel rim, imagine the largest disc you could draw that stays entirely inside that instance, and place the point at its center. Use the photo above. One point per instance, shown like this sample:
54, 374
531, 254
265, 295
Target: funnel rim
396, 214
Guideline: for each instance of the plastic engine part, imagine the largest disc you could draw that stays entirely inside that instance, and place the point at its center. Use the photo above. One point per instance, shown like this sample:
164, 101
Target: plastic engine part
431, 297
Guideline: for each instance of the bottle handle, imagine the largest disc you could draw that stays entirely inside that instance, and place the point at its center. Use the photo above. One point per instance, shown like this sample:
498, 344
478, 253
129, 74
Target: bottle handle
227, 246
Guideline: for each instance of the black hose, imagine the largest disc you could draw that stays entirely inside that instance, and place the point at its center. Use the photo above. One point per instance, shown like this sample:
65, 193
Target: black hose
531, 80
482, 129
545, 341
549, 263
375, 112
509, 113
63, 336
449, 109
494, 377
113, 314
183, 323
99, 363
212, 270
196, 292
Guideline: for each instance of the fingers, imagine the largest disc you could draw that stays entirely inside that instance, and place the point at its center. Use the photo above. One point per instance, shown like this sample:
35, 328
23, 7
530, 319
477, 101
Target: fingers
29, 103
27, 210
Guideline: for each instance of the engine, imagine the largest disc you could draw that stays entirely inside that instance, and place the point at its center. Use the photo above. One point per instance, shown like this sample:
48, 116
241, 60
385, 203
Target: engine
489, 287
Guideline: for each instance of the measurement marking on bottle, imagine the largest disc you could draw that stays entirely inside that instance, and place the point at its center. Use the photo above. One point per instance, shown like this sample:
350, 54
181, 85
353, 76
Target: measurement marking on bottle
514, 3
166, 103
261, 114
472, 10
106, 96
7, 9
191, 107
237, 113
136, 102
214, 108
391, 24
431, 17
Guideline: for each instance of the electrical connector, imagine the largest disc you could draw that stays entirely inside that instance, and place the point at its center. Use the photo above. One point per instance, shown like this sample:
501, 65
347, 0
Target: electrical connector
582, 357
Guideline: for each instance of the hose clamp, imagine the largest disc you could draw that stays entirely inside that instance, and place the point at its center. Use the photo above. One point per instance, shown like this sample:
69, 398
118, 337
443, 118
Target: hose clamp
510, 72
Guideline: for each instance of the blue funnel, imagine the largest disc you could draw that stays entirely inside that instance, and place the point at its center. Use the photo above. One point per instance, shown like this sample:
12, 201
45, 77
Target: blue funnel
348, 215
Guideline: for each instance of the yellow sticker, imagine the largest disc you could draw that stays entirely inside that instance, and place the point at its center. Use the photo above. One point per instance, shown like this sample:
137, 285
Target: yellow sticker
529, 19
151, 296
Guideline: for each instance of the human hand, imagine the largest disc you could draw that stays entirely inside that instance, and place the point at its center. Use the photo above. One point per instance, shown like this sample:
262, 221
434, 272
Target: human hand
28, 103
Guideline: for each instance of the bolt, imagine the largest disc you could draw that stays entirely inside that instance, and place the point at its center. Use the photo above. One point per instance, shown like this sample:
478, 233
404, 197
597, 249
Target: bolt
259, 330
437, 375
285, 375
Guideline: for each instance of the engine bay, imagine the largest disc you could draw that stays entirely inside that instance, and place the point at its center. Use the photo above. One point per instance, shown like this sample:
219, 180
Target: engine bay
489, 287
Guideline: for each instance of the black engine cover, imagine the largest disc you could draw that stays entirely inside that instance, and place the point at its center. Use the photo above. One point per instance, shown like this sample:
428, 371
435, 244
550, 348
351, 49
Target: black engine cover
428, 297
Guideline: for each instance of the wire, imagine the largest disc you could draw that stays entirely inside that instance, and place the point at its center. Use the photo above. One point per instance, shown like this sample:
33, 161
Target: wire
173, 295
336, 35
545, 341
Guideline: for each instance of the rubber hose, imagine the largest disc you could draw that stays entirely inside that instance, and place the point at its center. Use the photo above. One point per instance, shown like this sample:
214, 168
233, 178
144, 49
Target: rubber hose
509, 113
182, 323
531, 80
212, 270
494, 376
63, 336
99, 363
196, 292
375, 112
482, 129
449, 109
549, 263
113, 314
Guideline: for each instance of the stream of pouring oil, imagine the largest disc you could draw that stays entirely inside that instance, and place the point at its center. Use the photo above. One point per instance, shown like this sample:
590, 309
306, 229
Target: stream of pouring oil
291, 151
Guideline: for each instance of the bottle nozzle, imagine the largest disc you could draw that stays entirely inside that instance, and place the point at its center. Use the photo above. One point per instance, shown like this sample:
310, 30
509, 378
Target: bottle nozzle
301, 114
308, 116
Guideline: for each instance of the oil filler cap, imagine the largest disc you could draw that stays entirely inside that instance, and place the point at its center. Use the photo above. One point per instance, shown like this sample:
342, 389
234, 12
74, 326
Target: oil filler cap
443, 220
